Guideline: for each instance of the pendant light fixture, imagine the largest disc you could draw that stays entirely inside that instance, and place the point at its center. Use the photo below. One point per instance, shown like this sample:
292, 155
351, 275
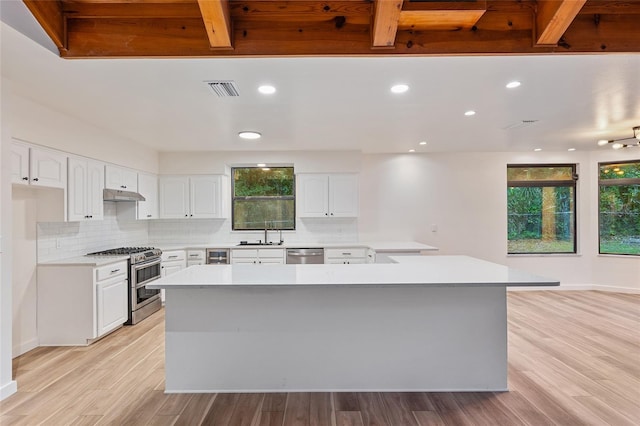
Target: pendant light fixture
616, 144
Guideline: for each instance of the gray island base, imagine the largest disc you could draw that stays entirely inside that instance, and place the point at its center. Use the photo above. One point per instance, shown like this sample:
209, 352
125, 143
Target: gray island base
428, 323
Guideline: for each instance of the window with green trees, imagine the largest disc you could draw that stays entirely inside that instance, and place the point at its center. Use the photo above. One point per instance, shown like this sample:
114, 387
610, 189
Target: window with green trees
263, 197
619, 207
541, 202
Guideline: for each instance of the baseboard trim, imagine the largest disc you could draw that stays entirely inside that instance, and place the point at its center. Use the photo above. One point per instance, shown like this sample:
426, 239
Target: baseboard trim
580, 287
8, 389
24, 347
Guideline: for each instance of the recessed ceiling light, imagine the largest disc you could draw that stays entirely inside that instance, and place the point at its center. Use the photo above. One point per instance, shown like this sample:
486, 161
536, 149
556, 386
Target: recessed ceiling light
399, 88
470, 113
513, 84
249, 135
538, 149
267, 90
423, 143
571, 149
412, 150
261, 165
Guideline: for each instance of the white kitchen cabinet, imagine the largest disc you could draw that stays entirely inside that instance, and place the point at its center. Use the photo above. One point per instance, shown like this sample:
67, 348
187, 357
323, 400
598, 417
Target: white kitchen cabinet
192, 197
346, 255
263, 256
148, 188
84, 193
111, 304
195, 257
172, 262
80, 303
38, 166
327, 195
121, 178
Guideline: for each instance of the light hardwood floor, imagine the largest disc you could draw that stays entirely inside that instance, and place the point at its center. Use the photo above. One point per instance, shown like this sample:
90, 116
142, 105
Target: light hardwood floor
574, 359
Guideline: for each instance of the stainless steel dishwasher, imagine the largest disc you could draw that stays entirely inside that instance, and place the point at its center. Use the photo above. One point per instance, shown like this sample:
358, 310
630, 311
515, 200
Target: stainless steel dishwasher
305, 256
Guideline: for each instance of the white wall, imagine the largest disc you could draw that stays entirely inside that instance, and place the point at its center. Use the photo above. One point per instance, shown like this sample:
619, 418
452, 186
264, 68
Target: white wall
464, 196
7, 384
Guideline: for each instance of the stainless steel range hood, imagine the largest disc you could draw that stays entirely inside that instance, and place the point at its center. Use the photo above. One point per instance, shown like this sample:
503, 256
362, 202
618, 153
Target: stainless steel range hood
119, 195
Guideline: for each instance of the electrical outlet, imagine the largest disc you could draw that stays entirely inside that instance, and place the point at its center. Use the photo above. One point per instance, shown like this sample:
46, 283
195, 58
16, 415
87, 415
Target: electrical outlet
434, 227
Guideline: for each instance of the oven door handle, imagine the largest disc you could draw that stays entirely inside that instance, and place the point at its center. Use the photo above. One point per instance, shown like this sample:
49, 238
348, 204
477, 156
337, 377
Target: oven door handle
144, 283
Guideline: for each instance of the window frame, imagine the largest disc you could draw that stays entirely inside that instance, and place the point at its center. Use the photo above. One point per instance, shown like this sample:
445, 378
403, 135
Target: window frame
573, 183
613, 182
265, 198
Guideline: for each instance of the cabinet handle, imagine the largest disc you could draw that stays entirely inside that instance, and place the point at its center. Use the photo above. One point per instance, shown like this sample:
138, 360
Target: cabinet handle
90, 217
123, 186
191, 215
172, 257
35, 179
115, 270
148, 215
326, 214
25, 178
194, 255
346, 254
186, 215
331, 214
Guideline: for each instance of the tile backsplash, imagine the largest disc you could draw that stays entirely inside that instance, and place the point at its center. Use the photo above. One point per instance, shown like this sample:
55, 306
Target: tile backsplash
59, 240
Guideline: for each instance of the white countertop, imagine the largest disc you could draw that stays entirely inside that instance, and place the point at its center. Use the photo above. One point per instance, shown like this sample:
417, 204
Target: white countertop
386, 246
85, 261
410, 270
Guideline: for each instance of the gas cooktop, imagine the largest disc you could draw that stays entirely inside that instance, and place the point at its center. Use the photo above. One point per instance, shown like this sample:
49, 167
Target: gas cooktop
122, 251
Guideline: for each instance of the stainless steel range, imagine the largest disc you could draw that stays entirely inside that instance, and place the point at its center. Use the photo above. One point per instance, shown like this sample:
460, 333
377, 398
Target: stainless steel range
144, 267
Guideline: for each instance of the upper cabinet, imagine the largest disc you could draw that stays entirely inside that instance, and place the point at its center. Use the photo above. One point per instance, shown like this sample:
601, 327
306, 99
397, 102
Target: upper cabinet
327, 195
192, 197
38, 167
86, 184
148, 188
121, 178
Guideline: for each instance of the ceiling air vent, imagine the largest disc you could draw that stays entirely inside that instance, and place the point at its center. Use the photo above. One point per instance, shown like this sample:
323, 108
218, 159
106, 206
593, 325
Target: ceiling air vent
224, 88
518, 124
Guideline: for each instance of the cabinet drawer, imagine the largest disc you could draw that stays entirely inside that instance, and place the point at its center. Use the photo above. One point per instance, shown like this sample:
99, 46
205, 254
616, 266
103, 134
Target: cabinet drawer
271, 253
173, 255
195, 254
111, 270
346, 253
244, 253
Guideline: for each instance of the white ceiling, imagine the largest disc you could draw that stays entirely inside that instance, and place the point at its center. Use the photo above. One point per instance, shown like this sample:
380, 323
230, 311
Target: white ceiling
339, 103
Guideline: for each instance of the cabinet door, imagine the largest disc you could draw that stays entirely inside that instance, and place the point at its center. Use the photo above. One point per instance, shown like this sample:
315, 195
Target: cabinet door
112, 304
47, 168
148, 187
343, 195
121, 178
95, 189
313, 197
169, 268
19, 164
174, 197
77, 190
205, 196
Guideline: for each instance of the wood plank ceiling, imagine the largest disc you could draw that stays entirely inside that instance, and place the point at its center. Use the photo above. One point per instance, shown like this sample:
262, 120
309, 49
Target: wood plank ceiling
230, 28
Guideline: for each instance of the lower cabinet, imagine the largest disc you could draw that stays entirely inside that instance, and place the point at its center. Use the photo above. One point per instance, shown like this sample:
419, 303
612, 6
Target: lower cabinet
195, 257
80, 303
266, 256
172, 261
347, 255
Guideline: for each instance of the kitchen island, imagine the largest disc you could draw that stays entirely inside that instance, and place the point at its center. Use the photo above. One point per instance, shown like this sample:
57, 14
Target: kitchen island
426, 323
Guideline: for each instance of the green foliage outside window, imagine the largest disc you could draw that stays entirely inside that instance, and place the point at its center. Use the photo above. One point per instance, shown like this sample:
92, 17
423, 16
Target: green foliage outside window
263, 198
541, 209
619, 208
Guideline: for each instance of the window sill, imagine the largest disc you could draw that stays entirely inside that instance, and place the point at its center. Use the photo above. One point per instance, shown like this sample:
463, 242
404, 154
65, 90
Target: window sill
544, 255
622, 256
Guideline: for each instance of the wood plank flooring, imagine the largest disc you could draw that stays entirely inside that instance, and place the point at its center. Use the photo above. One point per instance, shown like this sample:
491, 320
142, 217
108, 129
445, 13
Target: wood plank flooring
574, 359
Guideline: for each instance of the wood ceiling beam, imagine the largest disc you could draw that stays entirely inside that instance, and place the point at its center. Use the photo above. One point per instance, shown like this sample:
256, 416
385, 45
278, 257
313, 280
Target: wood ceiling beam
75, 9
385, 22
217, 22
497, 33
553, 17
49, 15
